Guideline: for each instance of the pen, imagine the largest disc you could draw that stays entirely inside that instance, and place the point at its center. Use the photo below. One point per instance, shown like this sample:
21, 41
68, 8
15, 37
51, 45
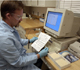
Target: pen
50, 41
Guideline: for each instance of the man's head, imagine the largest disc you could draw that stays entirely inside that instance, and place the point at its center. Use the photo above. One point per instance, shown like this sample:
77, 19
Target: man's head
12, 11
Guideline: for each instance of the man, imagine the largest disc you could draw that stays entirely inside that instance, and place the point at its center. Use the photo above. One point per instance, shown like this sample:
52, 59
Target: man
12, 54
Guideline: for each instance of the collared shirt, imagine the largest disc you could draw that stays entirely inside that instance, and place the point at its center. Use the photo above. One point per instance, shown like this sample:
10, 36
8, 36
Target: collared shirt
13, 56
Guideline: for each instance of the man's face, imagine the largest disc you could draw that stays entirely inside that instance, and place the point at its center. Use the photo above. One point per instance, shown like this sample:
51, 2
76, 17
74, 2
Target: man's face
16, 18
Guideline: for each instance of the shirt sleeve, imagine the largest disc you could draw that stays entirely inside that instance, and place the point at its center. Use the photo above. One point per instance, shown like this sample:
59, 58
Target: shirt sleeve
13, 56
24, 41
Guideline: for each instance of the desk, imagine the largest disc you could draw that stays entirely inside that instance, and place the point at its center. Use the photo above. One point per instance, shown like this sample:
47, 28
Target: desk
27, 23
74, 65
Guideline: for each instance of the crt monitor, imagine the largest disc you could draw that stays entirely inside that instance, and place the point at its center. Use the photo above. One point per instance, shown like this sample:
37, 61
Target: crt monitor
61, 23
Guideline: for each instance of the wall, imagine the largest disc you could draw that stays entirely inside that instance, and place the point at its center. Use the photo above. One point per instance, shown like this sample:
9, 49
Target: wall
26, 9
42, 10
39, 11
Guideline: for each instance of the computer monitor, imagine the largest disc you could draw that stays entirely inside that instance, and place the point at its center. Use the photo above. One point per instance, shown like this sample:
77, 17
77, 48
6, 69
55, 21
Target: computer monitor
61, 23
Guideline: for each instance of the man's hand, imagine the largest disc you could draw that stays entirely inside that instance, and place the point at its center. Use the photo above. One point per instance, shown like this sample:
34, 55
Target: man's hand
33, 39
43, 52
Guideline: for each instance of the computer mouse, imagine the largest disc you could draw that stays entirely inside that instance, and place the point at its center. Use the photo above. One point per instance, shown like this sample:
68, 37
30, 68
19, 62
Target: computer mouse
65, 54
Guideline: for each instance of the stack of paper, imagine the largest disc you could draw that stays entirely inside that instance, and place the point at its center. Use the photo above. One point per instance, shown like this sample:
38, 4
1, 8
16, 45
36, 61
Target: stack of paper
59, 60
41, 42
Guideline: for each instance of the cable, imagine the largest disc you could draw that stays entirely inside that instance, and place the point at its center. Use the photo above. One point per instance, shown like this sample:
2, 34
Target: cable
29, 31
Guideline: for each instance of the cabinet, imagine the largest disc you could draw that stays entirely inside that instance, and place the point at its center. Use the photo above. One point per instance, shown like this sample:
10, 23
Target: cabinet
27, 2
30, 2
34, 2
47, 3
40, 3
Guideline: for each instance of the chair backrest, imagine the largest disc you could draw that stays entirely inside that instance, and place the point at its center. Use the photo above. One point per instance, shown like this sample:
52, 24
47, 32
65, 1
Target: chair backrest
21, 32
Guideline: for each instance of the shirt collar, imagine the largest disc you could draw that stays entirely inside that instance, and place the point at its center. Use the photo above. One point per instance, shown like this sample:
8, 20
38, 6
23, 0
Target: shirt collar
8, 27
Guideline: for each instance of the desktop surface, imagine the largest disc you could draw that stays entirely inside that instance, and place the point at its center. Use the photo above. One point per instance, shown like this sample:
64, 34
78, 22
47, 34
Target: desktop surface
74, 66
27, 23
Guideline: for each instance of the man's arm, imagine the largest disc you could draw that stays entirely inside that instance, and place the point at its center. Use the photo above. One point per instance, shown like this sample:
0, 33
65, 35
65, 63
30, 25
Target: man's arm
14, 54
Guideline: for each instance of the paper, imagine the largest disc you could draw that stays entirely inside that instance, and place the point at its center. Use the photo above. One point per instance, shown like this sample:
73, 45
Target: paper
62, 62
59, 60
54, 54
40, 43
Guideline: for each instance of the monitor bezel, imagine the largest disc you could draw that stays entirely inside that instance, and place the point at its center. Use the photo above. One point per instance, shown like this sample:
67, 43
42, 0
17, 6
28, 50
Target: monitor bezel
66, 22
63, 15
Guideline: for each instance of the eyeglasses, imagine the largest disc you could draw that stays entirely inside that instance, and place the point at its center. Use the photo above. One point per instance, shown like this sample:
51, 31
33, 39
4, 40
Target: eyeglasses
17, 17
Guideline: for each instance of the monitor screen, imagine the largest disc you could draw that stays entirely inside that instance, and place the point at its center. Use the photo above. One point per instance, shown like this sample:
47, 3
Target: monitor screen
53, 20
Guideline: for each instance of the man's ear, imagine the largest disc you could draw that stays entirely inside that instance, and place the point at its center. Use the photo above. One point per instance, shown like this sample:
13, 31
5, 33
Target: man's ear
8, 15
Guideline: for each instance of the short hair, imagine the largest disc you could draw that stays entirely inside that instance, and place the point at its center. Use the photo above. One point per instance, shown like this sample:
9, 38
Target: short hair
9, 6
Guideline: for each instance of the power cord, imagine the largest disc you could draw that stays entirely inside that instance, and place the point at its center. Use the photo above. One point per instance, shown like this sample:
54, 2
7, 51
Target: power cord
29, 31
